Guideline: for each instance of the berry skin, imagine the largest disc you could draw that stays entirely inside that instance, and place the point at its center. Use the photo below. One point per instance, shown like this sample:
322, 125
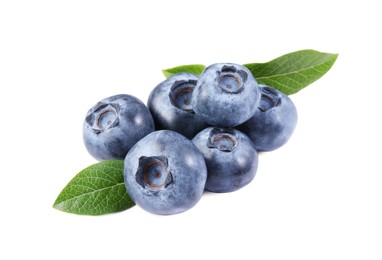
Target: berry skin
226, 95
165, 173
170, 104
114, 125
274, 122
230, 156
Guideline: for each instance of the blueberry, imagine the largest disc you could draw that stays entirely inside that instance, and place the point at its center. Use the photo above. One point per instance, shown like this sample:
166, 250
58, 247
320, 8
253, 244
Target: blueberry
170, 104
165, 173
230, 156
226, 95
274, 122
114, 125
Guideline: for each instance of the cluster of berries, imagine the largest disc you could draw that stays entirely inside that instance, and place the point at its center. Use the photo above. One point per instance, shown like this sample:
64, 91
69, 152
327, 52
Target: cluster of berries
196, 133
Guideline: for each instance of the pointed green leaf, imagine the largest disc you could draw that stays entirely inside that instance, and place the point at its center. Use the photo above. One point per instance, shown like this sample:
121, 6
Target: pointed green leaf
96, 190
293, 71
193, 68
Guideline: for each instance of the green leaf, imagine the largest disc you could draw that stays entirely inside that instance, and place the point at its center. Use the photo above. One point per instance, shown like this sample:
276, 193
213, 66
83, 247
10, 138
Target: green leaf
96, 190
293, 71
193, 68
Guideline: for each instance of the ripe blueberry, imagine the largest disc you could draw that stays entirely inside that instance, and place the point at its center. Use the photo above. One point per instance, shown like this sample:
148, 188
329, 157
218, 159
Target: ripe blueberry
170, 104
165, 173
226, 95
114, 125
230, 156
274, 121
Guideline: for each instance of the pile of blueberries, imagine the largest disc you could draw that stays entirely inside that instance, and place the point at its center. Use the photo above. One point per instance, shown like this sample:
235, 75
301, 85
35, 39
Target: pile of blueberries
196, 133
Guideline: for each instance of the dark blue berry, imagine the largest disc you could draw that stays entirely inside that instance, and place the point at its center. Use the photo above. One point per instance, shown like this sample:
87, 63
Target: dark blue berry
274, 121
230, 156
171, 106
114, 125
226, 95
165, 173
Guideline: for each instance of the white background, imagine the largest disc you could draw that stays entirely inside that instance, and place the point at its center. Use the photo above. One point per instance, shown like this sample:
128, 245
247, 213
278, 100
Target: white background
318, 197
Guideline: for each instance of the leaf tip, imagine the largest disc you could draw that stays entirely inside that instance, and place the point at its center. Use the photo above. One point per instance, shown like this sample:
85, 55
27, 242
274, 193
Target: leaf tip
166, 73
57, 204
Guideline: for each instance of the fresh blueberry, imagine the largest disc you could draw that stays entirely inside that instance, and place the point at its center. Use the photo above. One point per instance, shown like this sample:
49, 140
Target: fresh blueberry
274, 122
165, 173
230, 156
114, 125
226, 95
170, 105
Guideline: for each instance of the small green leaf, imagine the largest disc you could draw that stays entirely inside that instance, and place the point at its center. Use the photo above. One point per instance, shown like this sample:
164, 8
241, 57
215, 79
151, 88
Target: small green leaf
96, 190
193, 68
293, 71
